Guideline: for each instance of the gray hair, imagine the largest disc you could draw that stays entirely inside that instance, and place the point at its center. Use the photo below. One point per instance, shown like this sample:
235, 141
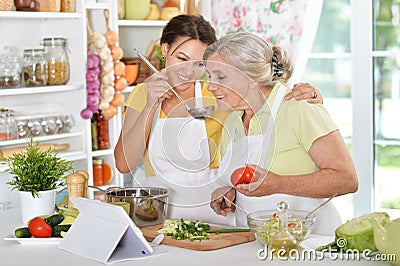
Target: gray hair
263, 63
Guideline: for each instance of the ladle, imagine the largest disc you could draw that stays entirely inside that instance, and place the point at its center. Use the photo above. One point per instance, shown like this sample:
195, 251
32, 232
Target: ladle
319, 206
198, 113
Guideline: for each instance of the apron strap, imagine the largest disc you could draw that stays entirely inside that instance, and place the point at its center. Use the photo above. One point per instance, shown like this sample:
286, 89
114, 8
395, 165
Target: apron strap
198, 94
271, 122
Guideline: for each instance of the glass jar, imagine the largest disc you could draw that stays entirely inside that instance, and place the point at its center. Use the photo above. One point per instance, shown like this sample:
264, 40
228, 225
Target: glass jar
102, 132
57, 60
121, 9
10, 68
67, 5
97, 172
8, 125
35, 67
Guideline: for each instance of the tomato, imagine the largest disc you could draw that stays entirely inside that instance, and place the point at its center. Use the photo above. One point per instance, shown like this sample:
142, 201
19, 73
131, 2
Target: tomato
291, 224
39, 228
243, 175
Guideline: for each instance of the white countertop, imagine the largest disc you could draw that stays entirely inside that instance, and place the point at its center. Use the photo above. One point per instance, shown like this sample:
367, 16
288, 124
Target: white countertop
13, 253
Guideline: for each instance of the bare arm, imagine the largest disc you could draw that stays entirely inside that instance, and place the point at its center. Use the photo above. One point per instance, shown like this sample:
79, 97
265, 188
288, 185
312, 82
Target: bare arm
134, 136
337, 173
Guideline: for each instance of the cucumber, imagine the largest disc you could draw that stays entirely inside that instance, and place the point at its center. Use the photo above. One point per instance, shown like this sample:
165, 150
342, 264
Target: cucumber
54, 219
57, 229
22, 232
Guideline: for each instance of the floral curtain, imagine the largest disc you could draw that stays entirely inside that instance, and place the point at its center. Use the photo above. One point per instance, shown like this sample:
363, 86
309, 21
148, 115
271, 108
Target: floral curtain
288, 23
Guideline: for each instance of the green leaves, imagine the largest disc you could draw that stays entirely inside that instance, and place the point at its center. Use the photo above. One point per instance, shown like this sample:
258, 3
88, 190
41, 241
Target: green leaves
35, 170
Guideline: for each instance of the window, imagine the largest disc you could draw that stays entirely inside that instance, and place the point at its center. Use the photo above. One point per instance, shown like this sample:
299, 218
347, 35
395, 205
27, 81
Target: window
342, 75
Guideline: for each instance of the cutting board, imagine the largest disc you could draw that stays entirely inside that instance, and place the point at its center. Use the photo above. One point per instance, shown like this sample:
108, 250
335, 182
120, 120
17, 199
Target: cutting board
216, 241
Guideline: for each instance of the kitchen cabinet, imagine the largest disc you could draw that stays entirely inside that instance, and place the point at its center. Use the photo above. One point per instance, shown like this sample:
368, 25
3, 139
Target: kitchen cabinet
24, 30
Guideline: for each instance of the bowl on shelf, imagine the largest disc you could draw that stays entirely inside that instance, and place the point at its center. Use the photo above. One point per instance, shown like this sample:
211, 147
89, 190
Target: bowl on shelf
131, 73
265, 224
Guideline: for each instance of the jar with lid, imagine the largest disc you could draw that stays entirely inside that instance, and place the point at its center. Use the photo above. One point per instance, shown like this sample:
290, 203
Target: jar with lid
102, 132
35, 67
10, 68
67, 5
8, 125
97, 172
57, 60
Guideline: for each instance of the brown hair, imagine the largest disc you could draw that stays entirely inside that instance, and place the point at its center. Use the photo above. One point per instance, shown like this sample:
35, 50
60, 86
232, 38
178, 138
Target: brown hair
192, 26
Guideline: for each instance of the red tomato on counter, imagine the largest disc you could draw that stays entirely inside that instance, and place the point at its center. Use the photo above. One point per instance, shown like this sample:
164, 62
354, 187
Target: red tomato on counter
243, 175
39, 228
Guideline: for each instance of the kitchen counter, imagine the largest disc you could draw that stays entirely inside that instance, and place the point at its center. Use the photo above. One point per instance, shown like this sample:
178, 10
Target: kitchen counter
13, 253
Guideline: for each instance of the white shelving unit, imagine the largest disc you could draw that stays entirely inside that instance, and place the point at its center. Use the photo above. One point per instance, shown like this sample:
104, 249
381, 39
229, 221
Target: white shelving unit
26, 30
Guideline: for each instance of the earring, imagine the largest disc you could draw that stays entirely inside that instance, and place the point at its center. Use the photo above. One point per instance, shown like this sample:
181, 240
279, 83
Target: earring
163, 57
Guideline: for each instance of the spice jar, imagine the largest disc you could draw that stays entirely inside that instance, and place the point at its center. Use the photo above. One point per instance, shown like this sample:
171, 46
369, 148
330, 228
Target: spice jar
97, 172
93, 129
8, 125
57, 60
10, 68
67, 5
35, 67
102, 132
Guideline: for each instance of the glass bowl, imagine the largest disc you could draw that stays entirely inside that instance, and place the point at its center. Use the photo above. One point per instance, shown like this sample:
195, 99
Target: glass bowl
265, 224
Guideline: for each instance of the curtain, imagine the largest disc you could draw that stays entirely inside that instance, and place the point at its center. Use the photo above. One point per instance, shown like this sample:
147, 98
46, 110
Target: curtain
291, 24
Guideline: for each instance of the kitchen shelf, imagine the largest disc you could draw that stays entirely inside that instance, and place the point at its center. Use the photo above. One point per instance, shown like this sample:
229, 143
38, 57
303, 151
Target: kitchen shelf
143, 23
38, 15
4, 143
98, 153
96, 6
40, 90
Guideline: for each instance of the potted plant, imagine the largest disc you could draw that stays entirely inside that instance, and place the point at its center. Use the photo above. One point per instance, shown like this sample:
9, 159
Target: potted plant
36, 174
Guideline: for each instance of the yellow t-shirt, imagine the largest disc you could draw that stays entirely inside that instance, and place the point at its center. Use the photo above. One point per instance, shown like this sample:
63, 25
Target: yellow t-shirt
138, 99
297, 125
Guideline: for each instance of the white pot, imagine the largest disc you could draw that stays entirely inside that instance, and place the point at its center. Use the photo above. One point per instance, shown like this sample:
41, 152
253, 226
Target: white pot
32, 207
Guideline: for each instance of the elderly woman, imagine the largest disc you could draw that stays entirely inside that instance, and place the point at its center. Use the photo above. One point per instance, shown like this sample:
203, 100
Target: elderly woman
179, 152
300, 153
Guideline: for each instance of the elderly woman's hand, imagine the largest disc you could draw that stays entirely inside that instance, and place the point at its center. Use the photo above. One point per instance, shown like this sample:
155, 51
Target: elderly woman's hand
221, 200
267, 183
305, 91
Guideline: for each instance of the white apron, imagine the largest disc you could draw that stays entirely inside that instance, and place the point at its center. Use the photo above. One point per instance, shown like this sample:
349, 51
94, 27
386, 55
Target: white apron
179, 154
250, 150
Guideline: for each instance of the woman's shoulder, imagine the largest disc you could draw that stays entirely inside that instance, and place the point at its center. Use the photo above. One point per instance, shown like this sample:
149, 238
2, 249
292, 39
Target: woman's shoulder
137, 98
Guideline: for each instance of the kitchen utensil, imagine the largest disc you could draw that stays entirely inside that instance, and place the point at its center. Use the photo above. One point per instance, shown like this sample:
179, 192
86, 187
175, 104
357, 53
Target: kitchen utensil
236, 206
148, 205
157, 240
319, 206
216, 241
10, 151
198, 113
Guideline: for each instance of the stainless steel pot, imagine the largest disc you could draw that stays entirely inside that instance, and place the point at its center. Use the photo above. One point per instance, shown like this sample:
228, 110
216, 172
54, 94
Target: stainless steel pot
148, 205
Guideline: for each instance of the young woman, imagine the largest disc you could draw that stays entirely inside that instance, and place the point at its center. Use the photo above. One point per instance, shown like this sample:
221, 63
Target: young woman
299, 151
179, 152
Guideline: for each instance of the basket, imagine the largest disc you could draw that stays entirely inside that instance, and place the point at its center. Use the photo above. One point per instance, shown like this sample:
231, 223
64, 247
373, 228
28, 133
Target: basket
144, 71
49, 5
6, 5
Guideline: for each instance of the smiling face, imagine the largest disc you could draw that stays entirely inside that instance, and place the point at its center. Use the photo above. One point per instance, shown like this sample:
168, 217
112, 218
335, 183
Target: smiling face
228, 84
184, 62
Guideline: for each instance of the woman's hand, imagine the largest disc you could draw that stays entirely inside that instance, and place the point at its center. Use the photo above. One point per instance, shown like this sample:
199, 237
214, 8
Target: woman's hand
218, 202
157, 88
266, 185
305, 91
